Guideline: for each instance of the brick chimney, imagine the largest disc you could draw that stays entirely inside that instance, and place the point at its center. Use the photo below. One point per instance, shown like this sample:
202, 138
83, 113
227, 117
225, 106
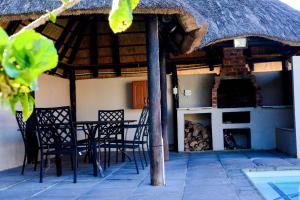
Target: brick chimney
234, 68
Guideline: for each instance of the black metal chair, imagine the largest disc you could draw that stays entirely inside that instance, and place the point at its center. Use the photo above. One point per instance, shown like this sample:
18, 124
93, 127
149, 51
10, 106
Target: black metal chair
139, 140
56, 131
22, 128
110, 133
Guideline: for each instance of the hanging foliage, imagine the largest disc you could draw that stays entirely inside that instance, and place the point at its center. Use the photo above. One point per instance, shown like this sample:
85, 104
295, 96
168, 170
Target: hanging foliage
120, 17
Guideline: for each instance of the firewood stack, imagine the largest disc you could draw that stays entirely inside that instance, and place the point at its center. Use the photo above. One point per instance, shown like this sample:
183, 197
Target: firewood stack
197, 137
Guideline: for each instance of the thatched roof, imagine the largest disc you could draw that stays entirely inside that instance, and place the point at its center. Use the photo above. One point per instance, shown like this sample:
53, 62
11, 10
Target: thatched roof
225, 18
86, 44
271, 19
192, 22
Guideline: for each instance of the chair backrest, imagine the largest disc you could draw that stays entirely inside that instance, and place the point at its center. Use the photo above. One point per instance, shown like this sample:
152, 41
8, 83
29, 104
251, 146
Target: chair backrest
55, 127
142, 127
21, 124
111, 129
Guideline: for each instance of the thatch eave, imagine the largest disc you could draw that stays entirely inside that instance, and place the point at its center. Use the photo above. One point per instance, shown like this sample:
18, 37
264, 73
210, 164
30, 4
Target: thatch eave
192, 22
276, 39
205, 22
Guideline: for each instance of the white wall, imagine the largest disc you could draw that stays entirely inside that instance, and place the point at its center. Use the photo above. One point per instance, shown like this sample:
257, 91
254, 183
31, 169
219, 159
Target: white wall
53, 91
296, 88
271, 87
105, 94
11, 144
201, 85
108, 94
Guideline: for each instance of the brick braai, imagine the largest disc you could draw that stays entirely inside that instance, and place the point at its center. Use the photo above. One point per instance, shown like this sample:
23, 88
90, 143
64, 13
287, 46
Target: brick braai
234, 68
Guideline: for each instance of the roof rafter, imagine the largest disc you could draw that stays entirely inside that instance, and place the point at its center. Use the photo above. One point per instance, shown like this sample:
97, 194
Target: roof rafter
62, 38
94, 47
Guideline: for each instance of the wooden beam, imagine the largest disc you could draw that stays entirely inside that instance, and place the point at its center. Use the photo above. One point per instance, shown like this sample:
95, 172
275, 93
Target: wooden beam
73, 94
103, 66
77, 42
175, 105
155, 135
94, 48
262, 60
72, 37
164, 104
12, 27
41, 28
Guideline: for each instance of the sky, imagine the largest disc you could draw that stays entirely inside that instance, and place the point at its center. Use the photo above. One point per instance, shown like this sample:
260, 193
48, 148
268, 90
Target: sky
293, 3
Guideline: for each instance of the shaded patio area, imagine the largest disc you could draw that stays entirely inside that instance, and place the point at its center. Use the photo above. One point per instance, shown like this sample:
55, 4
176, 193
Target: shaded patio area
213, 175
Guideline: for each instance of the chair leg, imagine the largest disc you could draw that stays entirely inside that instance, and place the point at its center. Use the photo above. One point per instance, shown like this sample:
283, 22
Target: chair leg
105, 152
108, 162
86, 156
41, 167
148, 149
36, 161
58, 163
24, 163
136, 166
117, 154
46, 160
74, 163
141, 158
144, 153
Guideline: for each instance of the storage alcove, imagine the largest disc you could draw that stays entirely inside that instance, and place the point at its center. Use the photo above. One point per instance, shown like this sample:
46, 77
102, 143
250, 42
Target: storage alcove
197, 132
239, 138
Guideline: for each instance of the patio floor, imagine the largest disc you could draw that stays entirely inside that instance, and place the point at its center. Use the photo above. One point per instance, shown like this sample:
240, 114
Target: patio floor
214, 175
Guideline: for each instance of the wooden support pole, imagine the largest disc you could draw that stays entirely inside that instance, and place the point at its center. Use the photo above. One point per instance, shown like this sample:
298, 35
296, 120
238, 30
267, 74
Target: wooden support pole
116, 53
157, 173
73, 94
164, 104
175, 105
286, 83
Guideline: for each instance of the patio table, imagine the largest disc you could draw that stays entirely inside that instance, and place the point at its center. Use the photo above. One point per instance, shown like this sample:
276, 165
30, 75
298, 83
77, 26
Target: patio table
90, 128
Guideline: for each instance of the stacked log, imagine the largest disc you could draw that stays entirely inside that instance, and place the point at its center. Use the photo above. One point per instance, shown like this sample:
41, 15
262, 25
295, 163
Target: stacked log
197, 137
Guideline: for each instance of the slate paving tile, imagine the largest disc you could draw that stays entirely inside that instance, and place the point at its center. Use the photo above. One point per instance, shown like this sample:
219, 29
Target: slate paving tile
249, 195
209, 175
271, 162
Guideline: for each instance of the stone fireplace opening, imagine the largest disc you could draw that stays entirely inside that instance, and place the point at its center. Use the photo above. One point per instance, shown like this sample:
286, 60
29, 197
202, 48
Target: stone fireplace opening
236, 93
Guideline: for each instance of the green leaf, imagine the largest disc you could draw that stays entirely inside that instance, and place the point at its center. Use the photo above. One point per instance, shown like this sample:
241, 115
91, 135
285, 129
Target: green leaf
13, 102
4, 39
27, 102
120, 17
52, 17
28, 55
134, 4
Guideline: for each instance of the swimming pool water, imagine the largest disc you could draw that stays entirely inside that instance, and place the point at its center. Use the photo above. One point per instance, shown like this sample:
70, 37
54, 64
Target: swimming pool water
277, 185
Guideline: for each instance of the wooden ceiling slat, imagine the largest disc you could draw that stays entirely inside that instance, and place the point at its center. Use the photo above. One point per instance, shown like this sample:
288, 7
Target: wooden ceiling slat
60, 41
93, 48
83, 25
70, 40
12, 27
